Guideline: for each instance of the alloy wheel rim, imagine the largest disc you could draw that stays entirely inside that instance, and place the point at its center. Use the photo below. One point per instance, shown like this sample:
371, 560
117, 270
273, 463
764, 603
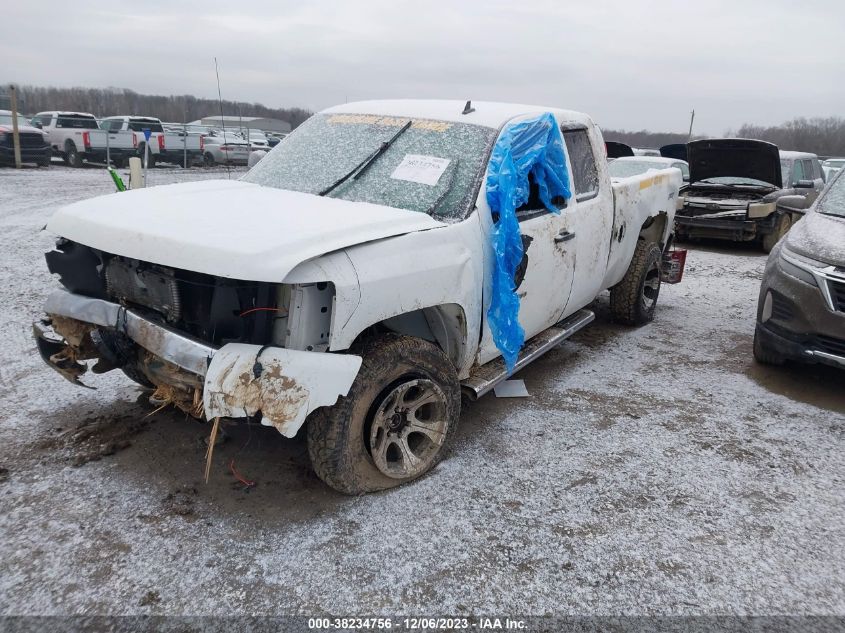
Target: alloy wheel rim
409, 428
651, 287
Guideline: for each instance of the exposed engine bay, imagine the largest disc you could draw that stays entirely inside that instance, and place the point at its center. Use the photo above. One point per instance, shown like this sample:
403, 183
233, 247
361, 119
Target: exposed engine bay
208, 312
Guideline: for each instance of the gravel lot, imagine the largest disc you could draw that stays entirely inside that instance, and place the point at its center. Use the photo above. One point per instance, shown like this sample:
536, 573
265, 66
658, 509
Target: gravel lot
651, 471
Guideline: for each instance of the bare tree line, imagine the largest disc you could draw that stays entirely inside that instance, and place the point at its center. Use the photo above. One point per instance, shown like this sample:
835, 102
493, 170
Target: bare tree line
824, 136
110, 101
644, 138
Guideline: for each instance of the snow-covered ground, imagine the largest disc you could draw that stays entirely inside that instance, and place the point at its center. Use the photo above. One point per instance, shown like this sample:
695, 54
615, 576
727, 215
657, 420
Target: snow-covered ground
652, 470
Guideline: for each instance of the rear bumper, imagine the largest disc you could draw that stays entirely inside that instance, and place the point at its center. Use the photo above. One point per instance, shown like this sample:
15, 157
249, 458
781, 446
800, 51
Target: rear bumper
99, 154
239, 380
177, 155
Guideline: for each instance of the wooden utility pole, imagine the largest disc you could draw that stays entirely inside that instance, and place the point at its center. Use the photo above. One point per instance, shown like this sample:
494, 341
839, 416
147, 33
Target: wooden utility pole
16, 136
691, 119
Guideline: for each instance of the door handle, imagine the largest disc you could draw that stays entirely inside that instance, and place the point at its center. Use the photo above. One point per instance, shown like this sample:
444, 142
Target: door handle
564, 236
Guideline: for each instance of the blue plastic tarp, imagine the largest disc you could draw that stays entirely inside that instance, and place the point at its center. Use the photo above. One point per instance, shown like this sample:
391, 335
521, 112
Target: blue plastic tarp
532, 146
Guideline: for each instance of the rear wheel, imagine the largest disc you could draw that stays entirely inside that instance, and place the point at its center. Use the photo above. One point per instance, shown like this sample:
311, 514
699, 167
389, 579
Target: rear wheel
634, 299
782, 226
394, 424
208, 159
73, 157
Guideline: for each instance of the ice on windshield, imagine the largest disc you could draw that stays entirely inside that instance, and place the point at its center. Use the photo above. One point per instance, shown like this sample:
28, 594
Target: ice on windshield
6, 119
327, 146
833, 200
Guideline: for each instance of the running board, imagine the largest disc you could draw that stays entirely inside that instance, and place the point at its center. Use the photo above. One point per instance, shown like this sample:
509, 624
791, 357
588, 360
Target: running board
494, 372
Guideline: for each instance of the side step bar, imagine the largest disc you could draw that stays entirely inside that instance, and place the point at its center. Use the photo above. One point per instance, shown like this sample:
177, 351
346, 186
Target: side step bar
494, 372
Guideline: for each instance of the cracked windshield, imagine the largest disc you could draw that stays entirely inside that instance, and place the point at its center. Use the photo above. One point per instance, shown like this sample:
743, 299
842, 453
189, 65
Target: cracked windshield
431, 167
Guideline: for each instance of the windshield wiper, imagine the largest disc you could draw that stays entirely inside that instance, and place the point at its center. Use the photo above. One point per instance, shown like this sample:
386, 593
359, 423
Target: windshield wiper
361, 167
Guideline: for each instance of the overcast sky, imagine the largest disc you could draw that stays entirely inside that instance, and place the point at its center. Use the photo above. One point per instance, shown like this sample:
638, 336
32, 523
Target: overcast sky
630, 64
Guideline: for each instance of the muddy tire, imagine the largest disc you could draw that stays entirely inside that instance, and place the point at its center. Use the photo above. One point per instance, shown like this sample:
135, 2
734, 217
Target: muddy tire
634, 299
763, 355
208, 159
782, 226
137, 376
396, 421
72, 155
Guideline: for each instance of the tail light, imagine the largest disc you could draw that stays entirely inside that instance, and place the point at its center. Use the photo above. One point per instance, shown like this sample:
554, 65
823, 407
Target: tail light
673, 266
86, 139
134, 140
202, 143
161, 141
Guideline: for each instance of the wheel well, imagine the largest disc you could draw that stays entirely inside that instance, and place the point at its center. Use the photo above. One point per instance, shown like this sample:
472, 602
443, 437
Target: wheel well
654, 228
443, 325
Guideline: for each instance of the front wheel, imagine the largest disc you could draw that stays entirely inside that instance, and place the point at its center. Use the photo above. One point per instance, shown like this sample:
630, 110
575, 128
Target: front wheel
208, 159
782, 226
394, 424
634, 299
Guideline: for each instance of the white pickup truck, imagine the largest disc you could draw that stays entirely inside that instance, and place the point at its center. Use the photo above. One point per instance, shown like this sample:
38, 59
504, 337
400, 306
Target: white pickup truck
179, 148
353, 291
76, 137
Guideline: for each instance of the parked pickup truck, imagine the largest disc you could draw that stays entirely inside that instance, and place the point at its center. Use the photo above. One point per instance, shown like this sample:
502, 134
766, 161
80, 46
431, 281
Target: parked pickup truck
358, 291
734, 192
165, 146
76, 137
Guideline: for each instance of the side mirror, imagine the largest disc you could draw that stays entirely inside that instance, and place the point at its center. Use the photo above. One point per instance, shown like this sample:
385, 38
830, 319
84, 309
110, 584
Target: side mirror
805, 184
793, 203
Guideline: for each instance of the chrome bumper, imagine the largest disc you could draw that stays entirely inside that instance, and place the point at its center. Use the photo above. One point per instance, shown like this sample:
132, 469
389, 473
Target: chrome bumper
825, 357
239, 380
189, 354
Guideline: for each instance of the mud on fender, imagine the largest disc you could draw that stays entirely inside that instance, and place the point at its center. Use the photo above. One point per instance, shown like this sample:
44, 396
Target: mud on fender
284, 385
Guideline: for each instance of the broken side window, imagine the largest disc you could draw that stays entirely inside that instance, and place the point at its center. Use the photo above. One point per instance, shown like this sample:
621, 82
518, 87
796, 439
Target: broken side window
584, 171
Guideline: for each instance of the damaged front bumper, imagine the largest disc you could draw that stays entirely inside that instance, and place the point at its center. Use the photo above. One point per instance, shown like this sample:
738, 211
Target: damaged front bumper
239, 380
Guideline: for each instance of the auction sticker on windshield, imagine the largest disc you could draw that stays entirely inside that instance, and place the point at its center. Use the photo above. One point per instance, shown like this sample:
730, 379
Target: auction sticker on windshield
425, 170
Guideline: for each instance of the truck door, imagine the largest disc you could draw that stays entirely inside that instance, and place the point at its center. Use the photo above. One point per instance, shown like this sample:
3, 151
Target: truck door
587, 221
544, 278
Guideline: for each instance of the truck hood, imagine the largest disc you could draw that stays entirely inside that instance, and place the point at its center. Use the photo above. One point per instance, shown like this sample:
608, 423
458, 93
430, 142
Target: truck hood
23, 129
820, 237
734, 157
229, 228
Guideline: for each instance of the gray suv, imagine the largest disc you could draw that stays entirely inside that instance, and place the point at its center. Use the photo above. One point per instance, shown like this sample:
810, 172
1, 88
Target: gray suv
801, 310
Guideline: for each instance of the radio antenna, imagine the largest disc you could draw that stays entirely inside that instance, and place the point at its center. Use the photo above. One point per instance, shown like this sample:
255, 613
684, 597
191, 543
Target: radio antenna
222, 120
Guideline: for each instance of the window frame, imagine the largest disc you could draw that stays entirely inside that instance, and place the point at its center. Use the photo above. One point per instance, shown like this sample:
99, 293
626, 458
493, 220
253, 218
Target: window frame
575, 128
796, 164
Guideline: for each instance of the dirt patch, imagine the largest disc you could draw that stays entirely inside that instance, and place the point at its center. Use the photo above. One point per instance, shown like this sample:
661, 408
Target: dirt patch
94, 438
181, 503
150, 598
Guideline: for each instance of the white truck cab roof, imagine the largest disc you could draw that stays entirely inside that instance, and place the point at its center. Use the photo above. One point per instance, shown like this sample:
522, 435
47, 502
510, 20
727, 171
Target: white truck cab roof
486, 113
789, 155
